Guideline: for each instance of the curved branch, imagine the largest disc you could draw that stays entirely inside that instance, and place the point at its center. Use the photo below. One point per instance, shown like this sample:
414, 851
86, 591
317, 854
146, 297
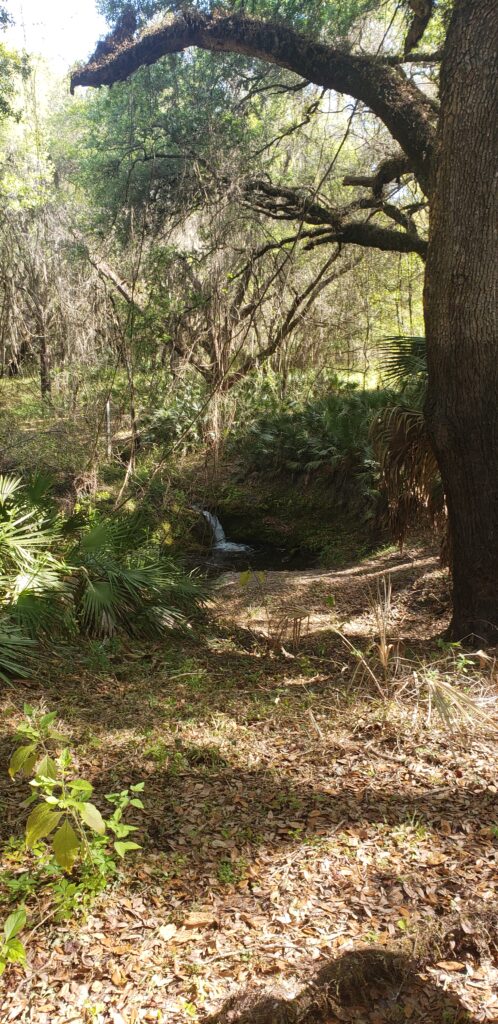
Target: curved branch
386, 90
371, 236
332, 224
389, 170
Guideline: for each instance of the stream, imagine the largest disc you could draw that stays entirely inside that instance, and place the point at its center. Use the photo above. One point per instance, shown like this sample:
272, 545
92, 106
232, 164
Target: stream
229, 554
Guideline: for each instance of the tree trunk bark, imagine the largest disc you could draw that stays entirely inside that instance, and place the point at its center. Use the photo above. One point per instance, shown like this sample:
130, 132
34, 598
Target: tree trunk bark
460, 312
45, 379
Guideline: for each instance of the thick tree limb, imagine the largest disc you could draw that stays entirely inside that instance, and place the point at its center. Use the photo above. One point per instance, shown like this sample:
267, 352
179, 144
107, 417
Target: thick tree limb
371, 236
389, 170
335, 224
386, 90
124, 30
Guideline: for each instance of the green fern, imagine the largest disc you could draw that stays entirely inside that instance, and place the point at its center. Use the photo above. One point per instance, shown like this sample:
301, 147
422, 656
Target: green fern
15, 649
118, 584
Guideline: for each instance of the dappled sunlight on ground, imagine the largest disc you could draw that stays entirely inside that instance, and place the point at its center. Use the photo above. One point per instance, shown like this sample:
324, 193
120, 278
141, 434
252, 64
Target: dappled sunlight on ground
308, 846
324, 599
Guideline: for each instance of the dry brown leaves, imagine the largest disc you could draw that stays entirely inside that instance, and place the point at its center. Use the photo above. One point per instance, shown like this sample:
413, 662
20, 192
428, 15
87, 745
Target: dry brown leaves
291, 823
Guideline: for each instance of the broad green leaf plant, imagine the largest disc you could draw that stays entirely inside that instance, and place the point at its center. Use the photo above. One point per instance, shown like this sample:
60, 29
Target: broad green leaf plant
12, 950
63, 813
76, 849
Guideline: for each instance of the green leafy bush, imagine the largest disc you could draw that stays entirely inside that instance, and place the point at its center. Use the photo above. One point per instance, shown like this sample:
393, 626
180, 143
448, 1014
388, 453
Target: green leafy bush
179, 423
62, 808
12, 950
71, 848
330, 435
88, 573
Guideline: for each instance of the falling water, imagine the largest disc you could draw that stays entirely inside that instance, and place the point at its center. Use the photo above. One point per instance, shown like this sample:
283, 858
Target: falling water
219, 536
221, 545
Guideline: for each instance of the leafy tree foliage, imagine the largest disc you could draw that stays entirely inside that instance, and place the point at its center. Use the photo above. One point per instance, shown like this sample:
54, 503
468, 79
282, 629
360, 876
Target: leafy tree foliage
13, 67
334, 16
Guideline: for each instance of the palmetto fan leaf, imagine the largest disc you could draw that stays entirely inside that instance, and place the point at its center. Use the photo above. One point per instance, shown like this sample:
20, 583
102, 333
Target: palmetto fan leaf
120, 586
9, 485
142, 600
31, 578
43, 613
23, 537
117, 535
108, 581
38, 490
99, 607
408, 465
15, 648
403, 361
25, 532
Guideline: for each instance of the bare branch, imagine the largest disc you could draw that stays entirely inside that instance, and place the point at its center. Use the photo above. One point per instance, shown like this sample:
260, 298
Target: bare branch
300, 305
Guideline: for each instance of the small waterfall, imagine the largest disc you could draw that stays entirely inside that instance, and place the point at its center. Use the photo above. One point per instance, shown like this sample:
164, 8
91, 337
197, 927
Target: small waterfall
219, 536
221, 546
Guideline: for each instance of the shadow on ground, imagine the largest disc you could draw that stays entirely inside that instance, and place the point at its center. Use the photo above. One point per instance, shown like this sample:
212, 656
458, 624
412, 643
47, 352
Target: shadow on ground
207, 796
359, 986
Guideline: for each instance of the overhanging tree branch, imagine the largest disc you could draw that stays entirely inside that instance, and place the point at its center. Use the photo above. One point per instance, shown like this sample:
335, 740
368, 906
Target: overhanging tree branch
334, 224
371, 236
391, 169
385, 89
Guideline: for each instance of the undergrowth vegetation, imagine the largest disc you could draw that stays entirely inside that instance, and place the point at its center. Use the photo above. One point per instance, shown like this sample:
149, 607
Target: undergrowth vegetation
237, 745
330, 435
80, 573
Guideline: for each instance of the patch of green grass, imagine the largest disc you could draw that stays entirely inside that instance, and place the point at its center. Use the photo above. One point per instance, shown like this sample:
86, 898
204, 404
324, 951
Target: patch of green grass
159, 752
231, 872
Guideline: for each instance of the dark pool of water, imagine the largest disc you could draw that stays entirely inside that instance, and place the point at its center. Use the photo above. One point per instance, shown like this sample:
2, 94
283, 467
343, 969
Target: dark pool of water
264, 557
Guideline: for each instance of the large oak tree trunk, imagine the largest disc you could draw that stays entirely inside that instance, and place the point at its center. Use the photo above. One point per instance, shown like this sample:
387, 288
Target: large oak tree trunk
460, 310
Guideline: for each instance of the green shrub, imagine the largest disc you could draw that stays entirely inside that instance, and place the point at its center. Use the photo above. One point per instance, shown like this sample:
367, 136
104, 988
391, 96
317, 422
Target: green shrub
73, 846
330, 435
90, 573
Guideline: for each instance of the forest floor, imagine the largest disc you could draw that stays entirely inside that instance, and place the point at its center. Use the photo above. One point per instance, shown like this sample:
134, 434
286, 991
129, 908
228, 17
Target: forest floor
324, 850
